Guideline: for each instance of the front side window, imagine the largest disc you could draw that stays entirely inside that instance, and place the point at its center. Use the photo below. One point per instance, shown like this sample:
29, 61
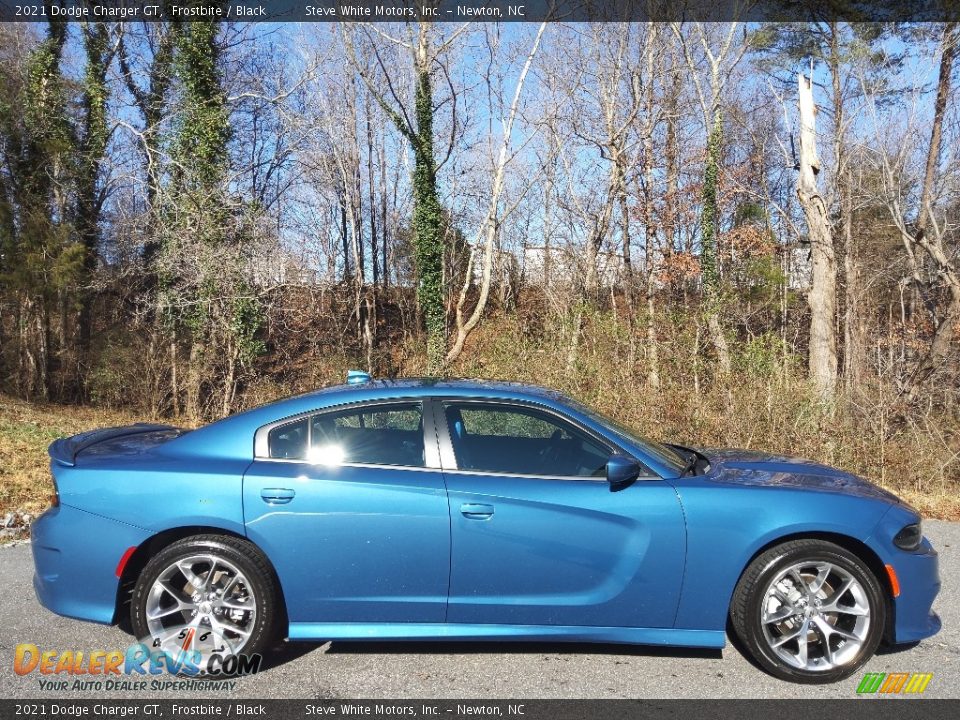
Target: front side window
371, 435
521, 441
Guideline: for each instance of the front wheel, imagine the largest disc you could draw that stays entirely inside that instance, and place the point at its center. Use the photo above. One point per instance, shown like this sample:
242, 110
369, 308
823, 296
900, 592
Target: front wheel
205, 595
809, 611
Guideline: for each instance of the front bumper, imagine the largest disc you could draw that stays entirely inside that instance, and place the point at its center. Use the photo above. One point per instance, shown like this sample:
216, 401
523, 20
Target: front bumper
75, 556
918, 573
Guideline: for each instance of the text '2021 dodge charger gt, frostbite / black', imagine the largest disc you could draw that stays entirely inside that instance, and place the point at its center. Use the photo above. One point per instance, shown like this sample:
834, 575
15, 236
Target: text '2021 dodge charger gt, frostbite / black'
472, 510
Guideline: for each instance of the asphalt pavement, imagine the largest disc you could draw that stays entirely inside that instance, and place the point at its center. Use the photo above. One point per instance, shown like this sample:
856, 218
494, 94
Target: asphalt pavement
471, 670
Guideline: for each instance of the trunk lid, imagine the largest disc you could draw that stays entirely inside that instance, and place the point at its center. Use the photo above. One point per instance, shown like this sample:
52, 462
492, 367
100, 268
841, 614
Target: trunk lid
127, 440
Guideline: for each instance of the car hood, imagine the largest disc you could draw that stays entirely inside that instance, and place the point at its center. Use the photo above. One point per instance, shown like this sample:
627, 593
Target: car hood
749, 467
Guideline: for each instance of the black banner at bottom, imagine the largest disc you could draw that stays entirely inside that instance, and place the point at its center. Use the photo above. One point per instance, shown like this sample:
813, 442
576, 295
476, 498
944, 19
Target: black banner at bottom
852, 709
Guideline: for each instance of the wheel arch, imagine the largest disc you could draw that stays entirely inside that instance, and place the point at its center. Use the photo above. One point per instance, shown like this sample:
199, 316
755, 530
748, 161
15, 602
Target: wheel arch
854, 546
156, 543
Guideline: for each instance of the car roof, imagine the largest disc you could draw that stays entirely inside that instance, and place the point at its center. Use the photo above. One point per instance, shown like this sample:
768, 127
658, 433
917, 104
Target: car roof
388, 387
232, 436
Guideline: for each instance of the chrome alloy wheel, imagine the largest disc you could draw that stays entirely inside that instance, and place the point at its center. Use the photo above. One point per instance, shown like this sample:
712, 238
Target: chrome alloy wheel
201, 602
815, 616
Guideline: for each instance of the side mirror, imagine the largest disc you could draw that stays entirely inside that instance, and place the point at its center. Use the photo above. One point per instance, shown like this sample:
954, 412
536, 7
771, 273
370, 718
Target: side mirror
621, 471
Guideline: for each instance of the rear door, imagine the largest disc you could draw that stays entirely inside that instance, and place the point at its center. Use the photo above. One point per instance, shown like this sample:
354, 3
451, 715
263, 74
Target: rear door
350, 506
538, 537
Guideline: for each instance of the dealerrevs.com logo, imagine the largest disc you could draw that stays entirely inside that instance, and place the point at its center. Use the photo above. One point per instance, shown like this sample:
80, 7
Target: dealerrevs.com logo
894, 683
140, 659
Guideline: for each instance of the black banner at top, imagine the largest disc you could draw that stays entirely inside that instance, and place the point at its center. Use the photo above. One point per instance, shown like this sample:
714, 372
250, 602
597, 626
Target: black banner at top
458, 11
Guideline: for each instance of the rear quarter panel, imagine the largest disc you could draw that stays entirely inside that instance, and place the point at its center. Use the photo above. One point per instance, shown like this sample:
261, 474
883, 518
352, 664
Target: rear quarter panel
158, 493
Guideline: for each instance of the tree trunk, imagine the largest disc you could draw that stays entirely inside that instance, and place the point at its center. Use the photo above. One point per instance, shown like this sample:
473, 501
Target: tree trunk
192, 404
230, 381
491, 227
627, 255
822, 297
344, 238
709, 229
854, 341
650, 238
372, 202
673, 166
174, 380
601, 225
384, 236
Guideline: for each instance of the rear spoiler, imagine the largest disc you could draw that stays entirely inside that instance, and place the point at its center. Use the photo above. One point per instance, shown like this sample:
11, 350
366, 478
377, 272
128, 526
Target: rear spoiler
65, 450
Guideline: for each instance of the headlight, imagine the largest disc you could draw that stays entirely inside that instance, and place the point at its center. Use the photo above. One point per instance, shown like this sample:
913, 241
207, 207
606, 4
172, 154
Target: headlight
909, 538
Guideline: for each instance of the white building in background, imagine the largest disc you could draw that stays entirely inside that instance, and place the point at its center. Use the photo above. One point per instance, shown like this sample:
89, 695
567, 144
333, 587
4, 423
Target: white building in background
564, 267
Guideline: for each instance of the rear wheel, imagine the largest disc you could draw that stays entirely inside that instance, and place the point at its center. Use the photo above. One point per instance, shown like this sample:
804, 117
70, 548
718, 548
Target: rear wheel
207, 594
809, 611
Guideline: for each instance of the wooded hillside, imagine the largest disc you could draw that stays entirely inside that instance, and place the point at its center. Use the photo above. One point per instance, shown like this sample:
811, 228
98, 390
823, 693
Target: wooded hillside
718, 233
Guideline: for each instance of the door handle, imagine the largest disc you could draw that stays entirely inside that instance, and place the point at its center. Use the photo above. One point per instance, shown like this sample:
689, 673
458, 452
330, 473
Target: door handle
277, 496
476, 511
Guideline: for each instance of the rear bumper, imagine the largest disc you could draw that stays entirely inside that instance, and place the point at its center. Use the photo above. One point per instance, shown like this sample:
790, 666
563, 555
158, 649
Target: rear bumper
75, 556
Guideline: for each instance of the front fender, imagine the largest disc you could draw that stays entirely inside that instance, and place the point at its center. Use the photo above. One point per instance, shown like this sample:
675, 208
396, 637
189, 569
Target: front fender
728, 525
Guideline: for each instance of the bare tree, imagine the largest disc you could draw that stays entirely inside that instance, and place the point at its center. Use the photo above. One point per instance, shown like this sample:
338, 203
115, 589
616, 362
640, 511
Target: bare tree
607, 100
495, 216
822, 297
928, 233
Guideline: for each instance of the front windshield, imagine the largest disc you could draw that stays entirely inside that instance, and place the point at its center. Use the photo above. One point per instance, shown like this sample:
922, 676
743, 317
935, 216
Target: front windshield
661, 452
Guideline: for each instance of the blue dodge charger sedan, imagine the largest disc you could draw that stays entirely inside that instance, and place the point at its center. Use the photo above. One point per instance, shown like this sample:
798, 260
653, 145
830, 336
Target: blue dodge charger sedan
472, 510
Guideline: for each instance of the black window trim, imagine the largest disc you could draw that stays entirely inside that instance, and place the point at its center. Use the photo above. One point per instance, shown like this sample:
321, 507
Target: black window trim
431, 452
448, 457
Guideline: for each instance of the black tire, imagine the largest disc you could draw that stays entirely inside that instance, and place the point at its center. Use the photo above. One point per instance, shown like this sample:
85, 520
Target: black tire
747, 607
241, 554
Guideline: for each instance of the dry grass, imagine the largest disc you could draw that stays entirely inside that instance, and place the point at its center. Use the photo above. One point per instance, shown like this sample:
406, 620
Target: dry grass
25, 432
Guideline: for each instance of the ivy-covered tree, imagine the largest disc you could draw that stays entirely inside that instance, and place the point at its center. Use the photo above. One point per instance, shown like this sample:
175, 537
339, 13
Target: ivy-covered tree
203, 267
722, 49
427, 211
150, 87
203, 130
417, 128
92, 136
42, 265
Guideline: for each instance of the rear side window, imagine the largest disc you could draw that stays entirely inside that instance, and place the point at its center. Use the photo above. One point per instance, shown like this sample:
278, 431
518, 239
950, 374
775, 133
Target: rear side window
289, 442
372, 435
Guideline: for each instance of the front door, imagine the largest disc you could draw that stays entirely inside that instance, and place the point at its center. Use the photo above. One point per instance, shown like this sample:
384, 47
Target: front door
539, 538
354, 519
